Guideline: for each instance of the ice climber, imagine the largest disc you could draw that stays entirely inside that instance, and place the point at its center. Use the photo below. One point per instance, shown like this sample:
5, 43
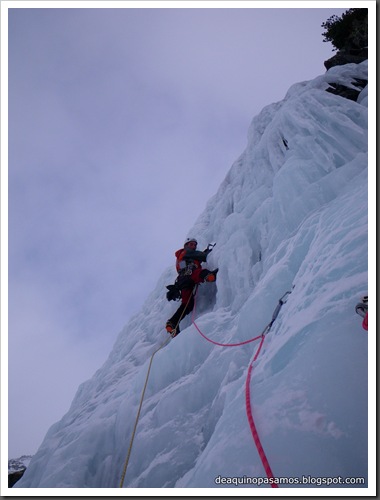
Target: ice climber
190, 273
362, 310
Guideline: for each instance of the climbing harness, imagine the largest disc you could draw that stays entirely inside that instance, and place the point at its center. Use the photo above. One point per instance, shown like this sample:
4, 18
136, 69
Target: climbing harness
255, 435
185, 269
142, 398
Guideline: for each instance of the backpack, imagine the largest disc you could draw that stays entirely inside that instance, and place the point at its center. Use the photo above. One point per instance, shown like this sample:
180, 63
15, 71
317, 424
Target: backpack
174, 292
181, 283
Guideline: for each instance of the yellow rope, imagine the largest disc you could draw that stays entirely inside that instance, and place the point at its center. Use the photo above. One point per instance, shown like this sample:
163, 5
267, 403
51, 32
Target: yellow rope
138, 414
142, 399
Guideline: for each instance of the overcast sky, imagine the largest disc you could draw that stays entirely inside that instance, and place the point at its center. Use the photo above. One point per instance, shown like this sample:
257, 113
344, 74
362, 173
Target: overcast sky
122, 124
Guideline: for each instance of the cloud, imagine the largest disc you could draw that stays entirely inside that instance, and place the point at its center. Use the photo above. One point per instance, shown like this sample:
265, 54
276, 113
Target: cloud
122, 124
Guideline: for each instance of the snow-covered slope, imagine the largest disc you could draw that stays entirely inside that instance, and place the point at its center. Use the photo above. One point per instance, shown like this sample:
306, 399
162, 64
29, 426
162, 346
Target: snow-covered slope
281, 218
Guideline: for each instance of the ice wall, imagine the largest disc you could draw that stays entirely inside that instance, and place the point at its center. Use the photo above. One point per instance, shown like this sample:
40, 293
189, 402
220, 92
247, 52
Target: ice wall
292, 210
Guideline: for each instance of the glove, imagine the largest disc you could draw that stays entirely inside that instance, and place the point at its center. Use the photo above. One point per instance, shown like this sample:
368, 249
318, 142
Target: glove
209, 248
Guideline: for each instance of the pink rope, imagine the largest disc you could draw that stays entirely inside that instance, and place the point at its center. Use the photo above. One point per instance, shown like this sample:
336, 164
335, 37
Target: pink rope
224, 345
255, 435
213, 341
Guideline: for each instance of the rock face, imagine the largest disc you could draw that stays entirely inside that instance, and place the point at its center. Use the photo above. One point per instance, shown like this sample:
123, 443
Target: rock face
347, 56
348, 93
342, 57
13, 477
16, 469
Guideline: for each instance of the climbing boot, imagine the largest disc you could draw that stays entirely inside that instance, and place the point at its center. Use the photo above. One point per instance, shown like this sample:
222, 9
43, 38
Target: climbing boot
170, 328
211, 276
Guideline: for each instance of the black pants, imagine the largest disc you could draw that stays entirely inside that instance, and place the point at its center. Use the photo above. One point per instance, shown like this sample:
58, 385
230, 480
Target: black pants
183, 310
187, 284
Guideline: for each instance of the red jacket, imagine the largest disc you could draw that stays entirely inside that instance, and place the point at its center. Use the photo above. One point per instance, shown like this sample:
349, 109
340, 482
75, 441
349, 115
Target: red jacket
186, 256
